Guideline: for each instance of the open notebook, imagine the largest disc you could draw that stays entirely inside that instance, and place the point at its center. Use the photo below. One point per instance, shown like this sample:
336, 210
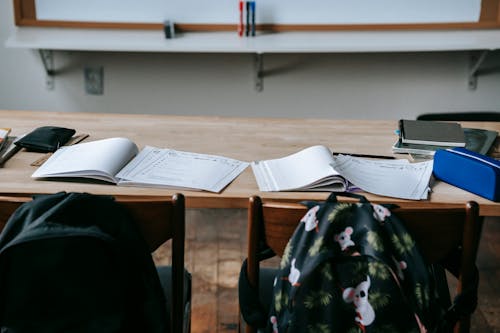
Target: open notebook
307, 170
316, 169
118, 160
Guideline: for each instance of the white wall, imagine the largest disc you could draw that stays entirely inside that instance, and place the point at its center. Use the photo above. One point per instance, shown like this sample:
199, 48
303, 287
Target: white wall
368, 86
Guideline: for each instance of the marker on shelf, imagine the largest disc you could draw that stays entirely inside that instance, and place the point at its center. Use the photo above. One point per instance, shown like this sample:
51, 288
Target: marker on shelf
252, 8
169, 29
240, 25
247, 28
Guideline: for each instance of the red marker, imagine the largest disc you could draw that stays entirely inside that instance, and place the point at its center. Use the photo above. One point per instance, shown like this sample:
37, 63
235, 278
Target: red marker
240, 26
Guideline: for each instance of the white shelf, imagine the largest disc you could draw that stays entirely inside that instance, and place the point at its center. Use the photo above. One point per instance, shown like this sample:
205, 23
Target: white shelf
47, 40
229, 42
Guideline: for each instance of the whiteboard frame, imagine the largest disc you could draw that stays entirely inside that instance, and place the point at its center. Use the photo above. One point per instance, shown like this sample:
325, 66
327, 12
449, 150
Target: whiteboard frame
25, 15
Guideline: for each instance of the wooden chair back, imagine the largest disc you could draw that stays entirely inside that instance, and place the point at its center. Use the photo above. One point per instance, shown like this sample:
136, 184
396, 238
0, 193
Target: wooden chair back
160, 220
448, 237
461, 116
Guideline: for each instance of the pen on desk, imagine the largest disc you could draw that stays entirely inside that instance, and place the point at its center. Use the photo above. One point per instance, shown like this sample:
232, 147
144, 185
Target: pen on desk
240, 25
387, 157
252, 7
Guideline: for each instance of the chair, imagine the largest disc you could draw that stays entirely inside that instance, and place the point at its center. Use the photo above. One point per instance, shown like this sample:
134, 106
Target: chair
446, 236
461, 116
160, 220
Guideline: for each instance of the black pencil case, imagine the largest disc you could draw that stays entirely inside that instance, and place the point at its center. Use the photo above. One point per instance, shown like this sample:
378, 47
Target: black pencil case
46, 138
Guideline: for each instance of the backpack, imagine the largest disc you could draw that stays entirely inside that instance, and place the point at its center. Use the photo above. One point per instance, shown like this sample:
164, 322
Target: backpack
351, 267
76, 262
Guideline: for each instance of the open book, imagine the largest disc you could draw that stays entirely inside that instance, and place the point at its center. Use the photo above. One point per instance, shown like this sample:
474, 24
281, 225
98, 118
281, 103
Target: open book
118, 160
316, 169
307, 170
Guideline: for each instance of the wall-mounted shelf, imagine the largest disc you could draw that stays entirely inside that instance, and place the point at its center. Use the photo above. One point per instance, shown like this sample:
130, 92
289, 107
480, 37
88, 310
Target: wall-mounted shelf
279, 42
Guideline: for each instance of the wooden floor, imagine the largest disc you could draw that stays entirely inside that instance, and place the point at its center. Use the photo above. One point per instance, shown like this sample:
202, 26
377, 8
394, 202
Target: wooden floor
216, 245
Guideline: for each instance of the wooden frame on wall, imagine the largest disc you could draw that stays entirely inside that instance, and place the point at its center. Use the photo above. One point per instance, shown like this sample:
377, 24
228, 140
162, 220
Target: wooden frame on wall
25, 15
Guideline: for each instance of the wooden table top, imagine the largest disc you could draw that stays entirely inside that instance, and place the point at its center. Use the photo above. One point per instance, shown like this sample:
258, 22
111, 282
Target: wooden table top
245, 139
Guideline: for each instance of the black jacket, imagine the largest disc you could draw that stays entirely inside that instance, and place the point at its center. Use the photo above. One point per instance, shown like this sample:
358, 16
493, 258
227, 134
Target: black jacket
76, 262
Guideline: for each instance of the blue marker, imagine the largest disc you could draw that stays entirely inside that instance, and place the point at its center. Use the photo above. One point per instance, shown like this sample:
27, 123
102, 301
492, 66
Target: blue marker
252, 8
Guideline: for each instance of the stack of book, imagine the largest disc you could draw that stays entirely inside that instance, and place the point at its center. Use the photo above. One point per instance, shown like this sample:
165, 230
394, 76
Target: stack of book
422, 137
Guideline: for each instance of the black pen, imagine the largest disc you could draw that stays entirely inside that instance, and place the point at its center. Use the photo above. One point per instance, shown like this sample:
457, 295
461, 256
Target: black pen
367, 155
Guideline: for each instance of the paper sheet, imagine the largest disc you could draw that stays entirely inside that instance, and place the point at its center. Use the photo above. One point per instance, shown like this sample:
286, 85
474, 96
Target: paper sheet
306, 170
392, 178
180, 169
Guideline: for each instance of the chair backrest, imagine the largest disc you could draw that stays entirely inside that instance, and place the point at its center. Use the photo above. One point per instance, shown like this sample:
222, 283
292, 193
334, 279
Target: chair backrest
461, 116
160, 220
446, 236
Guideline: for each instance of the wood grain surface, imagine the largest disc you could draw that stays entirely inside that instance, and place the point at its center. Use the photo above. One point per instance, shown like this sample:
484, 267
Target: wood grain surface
246, 139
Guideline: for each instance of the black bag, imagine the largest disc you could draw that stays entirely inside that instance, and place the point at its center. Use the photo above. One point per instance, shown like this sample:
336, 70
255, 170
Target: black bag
351, 267
72, 262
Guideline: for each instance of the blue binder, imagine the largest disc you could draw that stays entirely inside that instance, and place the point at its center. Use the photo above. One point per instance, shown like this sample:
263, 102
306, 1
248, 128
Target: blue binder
470, 171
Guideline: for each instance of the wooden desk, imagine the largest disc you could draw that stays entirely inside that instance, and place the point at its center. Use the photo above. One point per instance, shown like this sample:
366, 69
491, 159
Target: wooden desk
241, 138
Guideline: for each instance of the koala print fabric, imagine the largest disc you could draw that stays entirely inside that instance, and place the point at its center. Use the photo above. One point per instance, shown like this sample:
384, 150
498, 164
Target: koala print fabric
351, 267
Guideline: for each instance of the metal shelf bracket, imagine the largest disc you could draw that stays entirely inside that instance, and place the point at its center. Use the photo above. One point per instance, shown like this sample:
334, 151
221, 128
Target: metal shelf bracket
476, 60
259, 72
47, 57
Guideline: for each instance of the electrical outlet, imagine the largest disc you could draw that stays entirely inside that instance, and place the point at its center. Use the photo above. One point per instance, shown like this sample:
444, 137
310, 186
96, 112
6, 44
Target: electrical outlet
94, 80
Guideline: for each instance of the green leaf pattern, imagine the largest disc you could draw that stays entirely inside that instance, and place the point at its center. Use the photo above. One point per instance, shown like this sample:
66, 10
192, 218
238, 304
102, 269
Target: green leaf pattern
358, 269
378, 270
285, 260
280, 300
339, 208
317, 298
379, 300
316, 247
375, 241
403, 244
326, 271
